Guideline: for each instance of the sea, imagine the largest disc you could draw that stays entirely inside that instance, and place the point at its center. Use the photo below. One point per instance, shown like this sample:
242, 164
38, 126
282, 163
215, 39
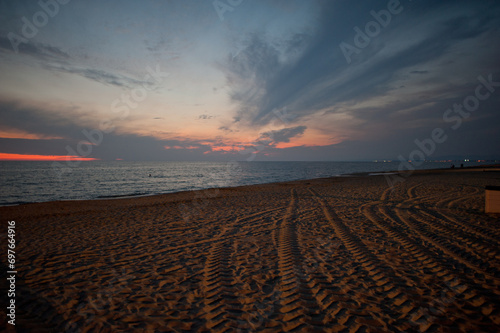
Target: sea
28, 181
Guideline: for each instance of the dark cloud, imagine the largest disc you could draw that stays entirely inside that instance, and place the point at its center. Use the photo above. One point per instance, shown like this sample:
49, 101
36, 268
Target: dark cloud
226, 129
478, 136
249, 74
112, 146
205, 116
33, 49
102, 76
55, 59
33, 147
265, 76
39, 120
70, 126
283, 135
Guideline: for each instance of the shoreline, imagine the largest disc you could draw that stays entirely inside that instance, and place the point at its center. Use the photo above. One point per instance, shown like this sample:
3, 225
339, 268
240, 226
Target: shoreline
490, 167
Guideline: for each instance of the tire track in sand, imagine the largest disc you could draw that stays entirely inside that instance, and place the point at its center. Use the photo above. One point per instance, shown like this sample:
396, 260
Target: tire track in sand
461, 254
298, 306
221, 307
442, 236
473, 293
481, 246
400, 297
426, 202
451, 202
458, 222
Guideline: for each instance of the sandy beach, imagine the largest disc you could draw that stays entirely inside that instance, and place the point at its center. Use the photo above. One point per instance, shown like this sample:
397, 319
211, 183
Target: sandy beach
345, 254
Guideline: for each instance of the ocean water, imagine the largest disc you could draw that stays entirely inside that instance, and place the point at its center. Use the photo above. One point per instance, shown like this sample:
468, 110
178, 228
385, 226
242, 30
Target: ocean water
25, 182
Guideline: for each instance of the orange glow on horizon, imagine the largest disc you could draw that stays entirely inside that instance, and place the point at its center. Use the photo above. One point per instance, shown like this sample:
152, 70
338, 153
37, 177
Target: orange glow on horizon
22, 157
18, 134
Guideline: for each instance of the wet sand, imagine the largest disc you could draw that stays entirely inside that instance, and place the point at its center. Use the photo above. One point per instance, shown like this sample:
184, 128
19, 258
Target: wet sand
347, 254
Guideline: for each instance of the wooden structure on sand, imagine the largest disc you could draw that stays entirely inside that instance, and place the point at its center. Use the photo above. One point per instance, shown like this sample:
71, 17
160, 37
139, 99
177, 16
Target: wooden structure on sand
492, 199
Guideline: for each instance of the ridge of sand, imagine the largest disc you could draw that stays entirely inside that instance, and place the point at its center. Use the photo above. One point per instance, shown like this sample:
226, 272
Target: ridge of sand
329, 255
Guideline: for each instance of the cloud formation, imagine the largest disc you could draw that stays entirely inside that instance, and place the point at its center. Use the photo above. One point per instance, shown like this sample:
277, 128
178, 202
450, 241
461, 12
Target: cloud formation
54, 58
37, 50
315, 78
273, 71
283, 135
102, 76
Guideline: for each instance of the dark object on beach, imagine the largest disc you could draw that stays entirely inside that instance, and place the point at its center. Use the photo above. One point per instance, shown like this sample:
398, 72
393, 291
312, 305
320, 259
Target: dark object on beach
461, 166
453, 166
492, 199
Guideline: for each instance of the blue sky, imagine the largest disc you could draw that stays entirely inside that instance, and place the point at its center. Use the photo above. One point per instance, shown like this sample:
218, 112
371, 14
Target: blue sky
224, 80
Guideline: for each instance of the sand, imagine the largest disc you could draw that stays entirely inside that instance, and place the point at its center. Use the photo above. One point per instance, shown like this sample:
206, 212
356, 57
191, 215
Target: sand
346, 254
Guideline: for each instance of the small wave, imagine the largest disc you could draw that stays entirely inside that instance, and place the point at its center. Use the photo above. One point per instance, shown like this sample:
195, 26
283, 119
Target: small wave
382, 173
121, 195
15, 203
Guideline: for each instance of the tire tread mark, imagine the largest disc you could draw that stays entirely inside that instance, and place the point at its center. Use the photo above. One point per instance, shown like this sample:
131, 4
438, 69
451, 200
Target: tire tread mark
440, 242
217, 286
438, 266
376, 269
298, 303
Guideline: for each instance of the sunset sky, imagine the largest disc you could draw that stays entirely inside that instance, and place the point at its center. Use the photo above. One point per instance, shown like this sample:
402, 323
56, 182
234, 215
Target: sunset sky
221, 80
